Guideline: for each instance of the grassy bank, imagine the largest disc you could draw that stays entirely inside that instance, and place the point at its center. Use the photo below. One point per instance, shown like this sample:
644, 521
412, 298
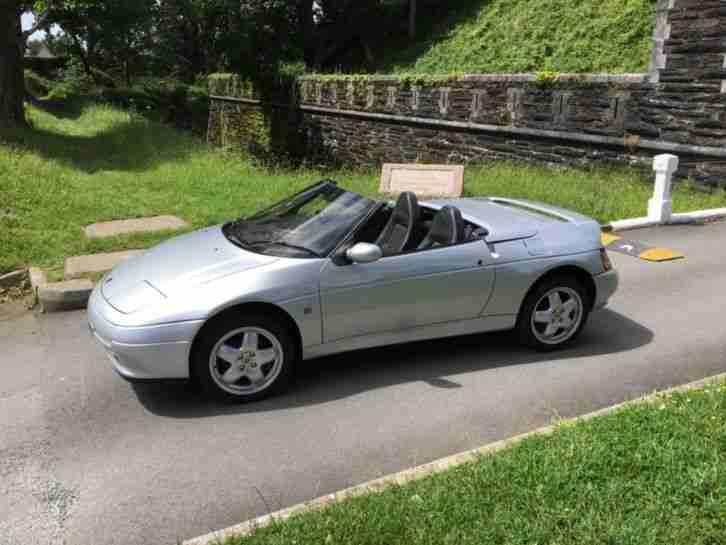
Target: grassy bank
486, 36
101, 163
649, 474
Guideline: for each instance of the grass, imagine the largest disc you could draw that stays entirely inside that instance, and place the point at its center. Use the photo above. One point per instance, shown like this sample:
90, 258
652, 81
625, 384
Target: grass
99, 163
652, 473
487, 36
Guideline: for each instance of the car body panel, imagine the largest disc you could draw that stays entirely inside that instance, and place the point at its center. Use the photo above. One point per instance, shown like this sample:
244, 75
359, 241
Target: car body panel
516, 277
176, 266
405, 291
421, 333
148, 311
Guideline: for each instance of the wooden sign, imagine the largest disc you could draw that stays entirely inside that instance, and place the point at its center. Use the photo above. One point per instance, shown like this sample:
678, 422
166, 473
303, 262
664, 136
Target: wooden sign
424, 180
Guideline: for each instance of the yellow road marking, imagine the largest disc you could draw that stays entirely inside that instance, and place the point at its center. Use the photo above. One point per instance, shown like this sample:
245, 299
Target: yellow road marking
660, 254
607, 238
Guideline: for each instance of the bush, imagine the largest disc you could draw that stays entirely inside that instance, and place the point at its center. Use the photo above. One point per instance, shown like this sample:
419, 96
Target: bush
37, 85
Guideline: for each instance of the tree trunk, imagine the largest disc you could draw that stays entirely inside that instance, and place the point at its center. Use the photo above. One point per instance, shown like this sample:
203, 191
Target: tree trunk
12, 80
412, 19
305, 16
84, 58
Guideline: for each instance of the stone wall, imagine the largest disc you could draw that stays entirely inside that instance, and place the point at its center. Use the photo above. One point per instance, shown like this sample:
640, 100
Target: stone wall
568, 119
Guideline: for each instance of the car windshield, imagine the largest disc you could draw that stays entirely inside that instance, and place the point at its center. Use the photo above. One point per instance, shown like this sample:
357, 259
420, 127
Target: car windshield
307, 225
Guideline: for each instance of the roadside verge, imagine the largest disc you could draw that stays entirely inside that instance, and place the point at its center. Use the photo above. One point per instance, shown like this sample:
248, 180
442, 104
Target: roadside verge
417, 473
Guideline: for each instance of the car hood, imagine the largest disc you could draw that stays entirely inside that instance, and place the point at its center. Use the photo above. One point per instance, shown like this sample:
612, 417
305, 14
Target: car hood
174, 267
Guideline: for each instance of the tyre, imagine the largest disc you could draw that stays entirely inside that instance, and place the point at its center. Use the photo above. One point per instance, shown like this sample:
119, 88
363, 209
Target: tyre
553, 314
241, 358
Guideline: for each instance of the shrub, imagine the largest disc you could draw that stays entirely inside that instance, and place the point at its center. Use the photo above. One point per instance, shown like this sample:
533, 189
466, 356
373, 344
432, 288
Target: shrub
37, 85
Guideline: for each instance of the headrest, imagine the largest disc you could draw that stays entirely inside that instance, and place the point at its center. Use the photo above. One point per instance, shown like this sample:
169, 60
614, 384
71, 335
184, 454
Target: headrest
448, 226
406, 211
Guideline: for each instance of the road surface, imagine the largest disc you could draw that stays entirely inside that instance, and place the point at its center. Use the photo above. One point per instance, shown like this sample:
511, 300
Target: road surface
85, 458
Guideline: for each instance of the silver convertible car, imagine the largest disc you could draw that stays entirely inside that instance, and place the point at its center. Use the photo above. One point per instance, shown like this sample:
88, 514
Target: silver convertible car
237, 307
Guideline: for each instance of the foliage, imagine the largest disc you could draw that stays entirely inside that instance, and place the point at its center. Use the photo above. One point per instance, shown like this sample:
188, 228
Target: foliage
96, 163
490, 36
111, 35
37, 85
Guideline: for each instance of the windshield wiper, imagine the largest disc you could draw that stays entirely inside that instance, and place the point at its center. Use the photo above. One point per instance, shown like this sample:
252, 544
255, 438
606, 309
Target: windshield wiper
285, 244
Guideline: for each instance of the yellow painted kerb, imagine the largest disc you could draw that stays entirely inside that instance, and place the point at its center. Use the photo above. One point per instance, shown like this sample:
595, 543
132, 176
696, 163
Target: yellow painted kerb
607, 238
660, 254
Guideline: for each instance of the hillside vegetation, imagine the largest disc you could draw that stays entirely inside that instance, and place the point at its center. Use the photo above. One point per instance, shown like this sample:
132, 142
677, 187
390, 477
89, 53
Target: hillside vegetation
489, 36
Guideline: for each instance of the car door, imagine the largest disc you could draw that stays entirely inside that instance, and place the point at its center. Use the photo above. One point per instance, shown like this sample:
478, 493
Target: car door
405, 291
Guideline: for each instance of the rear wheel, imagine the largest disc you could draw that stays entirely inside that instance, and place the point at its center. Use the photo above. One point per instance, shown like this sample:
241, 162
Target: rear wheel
553, 314
244, 358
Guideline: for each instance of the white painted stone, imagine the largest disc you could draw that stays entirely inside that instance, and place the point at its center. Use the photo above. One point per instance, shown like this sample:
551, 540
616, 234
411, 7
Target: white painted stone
444, 94
81, 265
391, 97
424, 180
137, 225
370, 97
415, 97
477, 103
660, 207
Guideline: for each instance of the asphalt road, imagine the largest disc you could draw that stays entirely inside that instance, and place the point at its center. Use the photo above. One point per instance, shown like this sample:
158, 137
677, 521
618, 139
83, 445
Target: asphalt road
86, 458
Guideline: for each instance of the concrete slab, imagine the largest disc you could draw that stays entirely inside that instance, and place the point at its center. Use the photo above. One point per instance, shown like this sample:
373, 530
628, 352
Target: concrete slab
67, 295
136, 225
82, 265
424, 180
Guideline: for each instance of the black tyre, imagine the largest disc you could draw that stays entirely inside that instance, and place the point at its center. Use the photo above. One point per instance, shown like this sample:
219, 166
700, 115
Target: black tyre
553, 313
240, 358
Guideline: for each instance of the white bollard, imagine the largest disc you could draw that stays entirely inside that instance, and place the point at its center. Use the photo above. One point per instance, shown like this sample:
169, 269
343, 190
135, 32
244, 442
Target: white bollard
660, 207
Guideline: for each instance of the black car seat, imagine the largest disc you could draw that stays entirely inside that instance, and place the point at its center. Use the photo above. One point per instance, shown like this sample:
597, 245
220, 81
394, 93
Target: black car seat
397, 232
446, 229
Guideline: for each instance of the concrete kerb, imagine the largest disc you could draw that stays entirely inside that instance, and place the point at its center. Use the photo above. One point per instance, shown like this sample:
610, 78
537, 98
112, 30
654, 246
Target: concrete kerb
419, 472
660, 206
66, 295
57, 296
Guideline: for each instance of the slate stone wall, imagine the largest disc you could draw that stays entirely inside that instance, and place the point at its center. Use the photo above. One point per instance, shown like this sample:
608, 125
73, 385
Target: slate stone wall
569, 119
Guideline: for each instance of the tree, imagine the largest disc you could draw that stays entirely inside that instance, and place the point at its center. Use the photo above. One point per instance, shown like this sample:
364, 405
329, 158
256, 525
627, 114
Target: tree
12, 89
113, 33
12, 48
412, 19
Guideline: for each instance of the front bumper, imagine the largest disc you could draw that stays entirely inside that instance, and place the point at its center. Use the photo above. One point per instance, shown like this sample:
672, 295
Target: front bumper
157, 352
606, 284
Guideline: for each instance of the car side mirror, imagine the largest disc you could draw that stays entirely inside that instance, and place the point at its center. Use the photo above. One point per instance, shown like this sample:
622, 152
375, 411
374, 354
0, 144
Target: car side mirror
364, 253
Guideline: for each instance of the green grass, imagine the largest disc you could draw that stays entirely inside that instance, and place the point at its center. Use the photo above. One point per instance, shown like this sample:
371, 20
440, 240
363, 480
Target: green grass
652, 473
99, 163
488, 36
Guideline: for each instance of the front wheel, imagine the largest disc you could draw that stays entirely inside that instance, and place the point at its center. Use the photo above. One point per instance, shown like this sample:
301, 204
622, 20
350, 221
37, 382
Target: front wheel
553, 314
244, 358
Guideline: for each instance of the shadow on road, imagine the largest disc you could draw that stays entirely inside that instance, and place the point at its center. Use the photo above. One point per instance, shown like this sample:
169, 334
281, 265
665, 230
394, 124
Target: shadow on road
434, 362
